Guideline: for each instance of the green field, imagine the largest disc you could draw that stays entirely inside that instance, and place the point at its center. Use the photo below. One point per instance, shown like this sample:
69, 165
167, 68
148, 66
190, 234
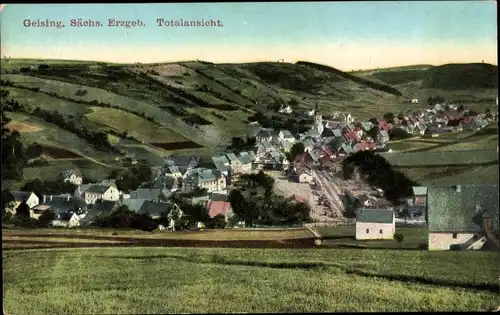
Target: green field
181, 280
342, 236
134, 125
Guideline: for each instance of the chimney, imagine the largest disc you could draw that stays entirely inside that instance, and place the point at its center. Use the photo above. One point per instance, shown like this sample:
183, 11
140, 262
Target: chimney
458, 188
44, 199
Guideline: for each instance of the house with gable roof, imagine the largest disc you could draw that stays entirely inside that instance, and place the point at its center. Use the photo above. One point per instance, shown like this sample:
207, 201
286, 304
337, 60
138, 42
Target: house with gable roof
372, 224
219, 207
74, 176
27, 197
246, 163
286, 135
463, 217
211, 179
382, 136
222, 164
95, 192
183, 162
263, 135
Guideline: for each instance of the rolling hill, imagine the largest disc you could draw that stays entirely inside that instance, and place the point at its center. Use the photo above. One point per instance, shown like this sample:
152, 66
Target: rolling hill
153, 110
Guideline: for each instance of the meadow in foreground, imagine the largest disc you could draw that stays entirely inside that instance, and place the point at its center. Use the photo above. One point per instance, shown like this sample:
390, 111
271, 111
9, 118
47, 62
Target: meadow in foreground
187, 280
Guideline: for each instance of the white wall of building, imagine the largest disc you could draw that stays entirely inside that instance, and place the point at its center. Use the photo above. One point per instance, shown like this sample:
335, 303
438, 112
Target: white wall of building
442, 241
376, 231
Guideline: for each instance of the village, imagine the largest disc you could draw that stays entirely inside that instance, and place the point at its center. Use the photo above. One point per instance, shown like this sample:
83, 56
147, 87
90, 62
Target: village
311, 175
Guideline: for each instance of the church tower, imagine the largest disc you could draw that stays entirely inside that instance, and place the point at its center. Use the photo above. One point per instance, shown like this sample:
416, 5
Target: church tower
318, 120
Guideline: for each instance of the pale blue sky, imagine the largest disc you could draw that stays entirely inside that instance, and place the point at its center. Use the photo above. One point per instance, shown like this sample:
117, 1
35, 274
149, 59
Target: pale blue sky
259, 31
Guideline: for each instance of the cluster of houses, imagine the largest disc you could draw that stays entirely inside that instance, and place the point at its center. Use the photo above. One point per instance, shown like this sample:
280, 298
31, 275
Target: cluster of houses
459, 217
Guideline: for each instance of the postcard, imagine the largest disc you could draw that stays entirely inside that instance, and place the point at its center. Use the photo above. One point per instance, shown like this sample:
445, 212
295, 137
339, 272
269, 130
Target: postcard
249, 157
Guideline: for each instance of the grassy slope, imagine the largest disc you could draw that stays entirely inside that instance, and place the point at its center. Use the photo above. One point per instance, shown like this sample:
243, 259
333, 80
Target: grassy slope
136, 126
154, 280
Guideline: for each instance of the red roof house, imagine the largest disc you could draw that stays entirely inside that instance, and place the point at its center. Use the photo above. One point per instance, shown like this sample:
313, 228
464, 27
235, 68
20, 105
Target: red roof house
218, 207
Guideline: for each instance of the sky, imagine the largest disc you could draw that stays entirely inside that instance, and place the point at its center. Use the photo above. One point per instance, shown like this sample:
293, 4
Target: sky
345, 35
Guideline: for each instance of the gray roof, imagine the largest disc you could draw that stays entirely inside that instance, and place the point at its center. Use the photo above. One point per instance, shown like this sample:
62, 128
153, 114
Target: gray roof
183, 161
104, 206
347, 148
20, 196
450, 210
164, 182
314, 155
155, 209
419, 190
327, 132
100, 189
134, 204
383, 133
172, 169
218, 197
232, 157
245, 159
61, 204
308, 142
149, 194
252, 156
67, 173
263, 133
366, 125
268, 146
287, 134
222, 167
222, 159
204, 174
312, 133
375, 216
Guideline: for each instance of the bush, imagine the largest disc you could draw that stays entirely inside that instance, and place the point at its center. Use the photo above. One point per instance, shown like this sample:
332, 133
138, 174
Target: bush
399, 237
46, 218
423, 246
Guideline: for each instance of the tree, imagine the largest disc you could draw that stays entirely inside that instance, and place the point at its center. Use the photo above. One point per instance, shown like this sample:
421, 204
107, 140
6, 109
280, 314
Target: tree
7, 200
374, 121
399, 237
404, 213
13, 152
218, 222
418, 214
293, 103
460, 108
23, 211
389, 117
297, 149
46, 217
373, 132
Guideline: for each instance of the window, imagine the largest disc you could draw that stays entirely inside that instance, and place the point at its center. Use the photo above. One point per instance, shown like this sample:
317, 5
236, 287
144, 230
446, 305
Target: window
380, 231
454, 235
367, 231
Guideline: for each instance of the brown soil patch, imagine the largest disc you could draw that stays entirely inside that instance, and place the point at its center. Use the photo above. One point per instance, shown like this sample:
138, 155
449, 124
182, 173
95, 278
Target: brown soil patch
143, 242
22, 127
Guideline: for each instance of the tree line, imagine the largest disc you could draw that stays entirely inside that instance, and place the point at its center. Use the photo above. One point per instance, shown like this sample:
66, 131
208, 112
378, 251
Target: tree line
255, 202
379, 173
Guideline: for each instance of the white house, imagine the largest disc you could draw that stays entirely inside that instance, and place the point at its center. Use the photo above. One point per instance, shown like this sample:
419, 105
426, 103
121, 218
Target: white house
415, 101
463, 217
27, 197
71, 176
305, 177
263, 136
286, 136
212, 180
101, 192
287, 109
375, 224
